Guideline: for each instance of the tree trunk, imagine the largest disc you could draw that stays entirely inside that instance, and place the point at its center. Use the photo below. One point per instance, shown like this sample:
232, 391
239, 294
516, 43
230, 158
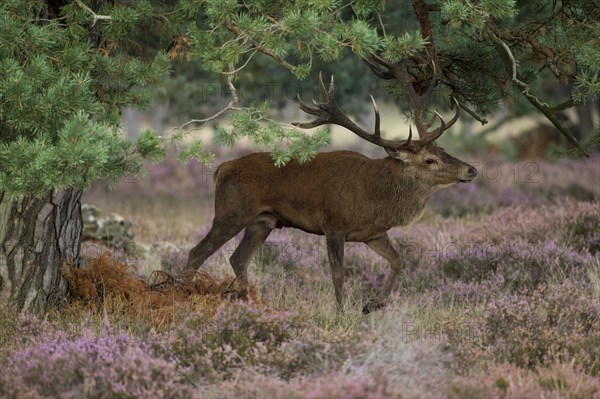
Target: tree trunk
37, 235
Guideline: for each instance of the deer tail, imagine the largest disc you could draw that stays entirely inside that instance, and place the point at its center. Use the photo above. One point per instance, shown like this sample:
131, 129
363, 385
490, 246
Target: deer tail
216, 173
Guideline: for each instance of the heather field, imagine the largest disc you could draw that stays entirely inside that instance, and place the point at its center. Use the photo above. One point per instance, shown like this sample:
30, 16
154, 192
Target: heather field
499, 297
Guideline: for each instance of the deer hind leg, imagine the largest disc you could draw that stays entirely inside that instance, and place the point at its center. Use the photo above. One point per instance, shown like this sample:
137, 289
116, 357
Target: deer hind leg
221, 231
383, 247
254, 236
335, 252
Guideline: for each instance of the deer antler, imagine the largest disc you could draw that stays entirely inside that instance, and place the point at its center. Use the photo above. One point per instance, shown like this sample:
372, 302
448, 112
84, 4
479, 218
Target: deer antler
328, 112
419, 105
418, 102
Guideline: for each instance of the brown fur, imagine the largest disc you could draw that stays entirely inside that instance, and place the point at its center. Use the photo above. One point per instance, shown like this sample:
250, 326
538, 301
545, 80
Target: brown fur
342, 195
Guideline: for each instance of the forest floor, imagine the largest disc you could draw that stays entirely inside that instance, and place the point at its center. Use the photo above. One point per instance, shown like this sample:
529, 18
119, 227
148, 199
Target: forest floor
500, 297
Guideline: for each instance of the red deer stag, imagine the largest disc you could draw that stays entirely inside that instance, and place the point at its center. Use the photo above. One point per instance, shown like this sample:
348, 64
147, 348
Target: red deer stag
341, 194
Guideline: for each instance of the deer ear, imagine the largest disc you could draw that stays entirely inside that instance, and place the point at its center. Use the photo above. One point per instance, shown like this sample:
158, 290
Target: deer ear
401, 154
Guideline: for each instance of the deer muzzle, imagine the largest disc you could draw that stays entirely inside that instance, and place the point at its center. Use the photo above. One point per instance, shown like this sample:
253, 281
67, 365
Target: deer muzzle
472, 174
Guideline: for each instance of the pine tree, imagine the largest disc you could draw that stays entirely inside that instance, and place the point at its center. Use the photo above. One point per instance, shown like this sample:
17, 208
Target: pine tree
66, 74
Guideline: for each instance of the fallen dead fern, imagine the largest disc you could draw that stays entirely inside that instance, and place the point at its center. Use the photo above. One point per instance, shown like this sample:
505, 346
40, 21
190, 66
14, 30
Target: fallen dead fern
110, 287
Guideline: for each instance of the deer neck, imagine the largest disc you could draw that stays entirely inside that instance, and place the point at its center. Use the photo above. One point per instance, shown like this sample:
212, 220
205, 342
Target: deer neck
403, 193
407, 183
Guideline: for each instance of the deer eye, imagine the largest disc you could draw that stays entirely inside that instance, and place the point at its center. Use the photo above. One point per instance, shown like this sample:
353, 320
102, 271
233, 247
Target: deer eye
431, 161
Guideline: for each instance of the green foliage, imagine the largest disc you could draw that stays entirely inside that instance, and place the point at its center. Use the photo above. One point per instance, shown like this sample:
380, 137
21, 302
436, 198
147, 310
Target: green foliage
219, 9
464, 13
587, 53
304, 36
61, 93
587, 86
365, 8
499, 9
196, 151
284, 142
362, 39
37, 165
150, 147
299, 23
282, 30
396, 48
302, 71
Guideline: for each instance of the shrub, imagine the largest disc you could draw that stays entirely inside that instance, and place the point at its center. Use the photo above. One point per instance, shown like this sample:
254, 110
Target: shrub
557, 323
334, 384
508, 381
519, 262
585, 231
339, 385
52, 363
172, 259
247, 335
462, 292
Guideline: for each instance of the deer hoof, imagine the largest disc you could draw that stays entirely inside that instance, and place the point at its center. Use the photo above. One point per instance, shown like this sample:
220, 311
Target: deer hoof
372, 306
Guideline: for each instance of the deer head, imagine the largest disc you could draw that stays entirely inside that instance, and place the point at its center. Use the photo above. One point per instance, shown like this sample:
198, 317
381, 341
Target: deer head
421, 158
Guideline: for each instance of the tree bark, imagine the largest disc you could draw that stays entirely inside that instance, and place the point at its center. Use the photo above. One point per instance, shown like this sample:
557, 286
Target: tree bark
37, 235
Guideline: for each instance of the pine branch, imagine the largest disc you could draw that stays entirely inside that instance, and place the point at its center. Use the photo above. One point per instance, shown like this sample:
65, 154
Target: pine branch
234, 71
547, 53
511, 66
566, 104
258, 47
91, 12
230, 107
471, 112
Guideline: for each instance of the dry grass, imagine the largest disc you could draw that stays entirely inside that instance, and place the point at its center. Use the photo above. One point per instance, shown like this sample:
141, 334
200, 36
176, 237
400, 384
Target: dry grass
594, 276
110, 288
8, 330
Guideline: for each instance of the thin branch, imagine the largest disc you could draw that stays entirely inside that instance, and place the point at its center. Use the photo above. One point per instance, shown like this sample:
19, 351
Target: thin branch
92, 13
242, 67
382, 25
205, 120
234, 29
505, 52
566, 104
511, 65
381, 74
472, 112
230, 107
232, 88
547, 53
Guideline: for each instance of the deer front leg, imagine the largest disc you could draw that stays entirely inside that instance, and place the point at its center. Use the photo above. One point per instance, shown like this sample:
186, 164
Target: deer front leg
382, 246
335, 252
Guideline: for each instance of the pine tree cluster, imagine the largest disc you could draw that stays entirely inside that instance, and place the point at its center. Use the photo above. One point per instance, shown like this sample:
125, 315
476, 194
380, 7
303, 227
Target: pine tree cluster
69, 68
